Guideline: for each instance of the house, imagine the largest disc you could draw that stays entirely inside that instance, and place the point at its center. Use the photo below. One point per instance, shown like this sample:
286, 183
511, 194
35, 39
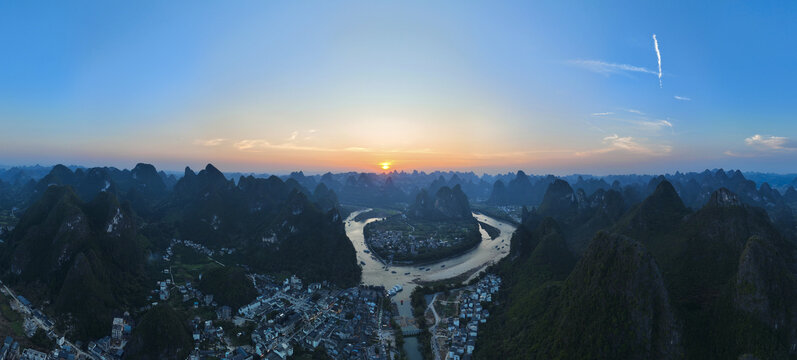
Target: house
117, 329
23, 300
240, 354
296, 282
224, 313
30, 354
283, 350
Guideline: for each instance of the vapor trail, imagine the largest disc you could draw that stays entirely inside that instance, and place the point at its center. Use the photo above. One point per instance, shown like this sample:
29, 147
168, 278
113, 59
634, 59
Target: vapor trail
658, 55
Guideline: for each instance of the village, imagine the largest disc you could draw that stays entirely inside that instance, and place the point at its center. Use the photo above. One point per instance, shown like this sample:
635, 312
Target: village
457, 316
287, 317
403, 246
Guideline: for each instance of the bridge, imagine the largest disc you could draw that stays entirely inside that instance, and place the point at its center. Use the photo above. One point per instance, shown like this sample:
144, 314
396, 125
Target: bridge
410, 331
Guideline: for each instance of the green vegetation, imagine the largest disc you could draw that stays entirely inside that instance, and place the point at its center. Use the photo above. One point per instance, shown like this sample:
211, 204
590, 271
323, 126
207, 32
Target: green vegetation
86, 258
312, 244
11, 322
187, 264
229, 285
161, 334
710, 284
418, 304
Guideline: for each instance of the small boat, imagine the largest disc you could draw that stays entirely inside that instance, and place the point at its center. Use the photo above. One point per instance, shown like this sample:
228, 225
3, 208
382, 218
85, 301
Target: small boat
362, 262
442, 266
392, 272
428, 269
367, 251
406, 273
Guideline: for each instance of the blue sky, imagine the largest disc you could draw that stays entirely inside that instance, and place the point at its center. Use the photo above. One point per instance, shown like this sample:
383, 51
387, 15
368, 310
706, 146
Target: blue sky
553, 86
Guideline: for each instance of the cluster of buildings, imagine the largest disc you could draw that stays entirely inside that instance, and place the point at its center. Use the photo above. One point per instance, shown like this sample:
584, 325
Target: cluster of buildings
187, 243
107, 348
35, 319
344, 323
395, 243
288, 316
112, 347
459, 332
198, 247
11, 350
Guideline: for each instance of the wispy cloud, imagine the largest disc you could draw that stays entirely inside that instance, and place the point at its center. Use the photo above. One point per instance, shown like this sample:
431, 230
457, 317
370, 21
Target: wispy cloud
658, 55
656, 125
210, 142
635, 111
740, 155
260, 145
771, 143
603, 113
682, 98
605, 68
293, 136
627, 144
257, 145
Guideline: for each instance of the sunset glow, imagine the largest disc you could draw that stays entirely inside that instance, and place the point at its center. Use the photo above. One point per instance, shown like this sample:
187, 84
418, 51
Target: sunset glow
334, 88
385, 166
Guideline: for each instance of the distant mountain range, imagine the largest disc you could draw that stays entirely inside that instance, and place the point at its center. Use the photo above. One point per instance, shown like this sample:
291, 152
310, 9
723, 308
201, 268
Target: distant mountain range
695, 265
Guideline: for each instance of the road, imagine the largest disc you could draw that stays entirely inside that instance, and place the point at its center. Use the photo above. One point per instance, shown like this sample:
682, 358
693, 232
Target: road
41, 324
433, 329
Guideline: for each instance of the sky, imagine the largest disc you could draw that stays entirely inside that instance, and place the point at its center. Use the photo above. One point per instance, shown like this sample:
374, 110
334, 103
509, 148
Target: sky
488, 86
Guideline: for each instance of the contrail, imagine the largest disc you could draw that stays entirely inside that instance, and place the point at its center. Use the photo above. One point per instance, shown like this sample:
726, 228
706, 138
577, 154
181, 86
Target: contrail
658, 55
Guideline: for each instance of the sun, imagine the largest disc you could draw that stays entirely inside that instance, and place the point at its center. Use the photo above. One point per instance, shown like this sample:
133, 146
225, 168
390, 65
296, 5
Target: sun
385, 165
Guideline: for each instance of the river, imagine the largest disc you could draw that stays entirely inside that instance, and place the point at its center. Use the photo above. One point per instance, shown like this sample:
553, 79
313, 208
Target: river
488, 252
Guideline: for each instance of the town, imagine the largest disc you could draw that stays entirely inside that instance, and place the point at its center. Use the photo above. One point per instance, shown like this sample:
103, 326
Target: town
286, 317
457, 315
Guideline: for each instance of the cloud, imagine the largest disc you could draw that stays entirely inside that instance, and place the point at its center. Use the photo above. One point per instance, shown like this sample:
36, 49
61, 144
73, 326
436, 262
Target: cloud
257, 145
603, 113
260, 145
771, 143
658, 55
739, 155
656, 125
682, 98
606, 68
293, 136
635, 111
627, 144
210, 142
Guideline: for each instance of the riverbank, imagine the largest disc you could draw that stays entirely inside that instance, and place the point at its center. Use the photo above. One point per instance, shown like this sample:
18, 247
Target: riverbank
464, 266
